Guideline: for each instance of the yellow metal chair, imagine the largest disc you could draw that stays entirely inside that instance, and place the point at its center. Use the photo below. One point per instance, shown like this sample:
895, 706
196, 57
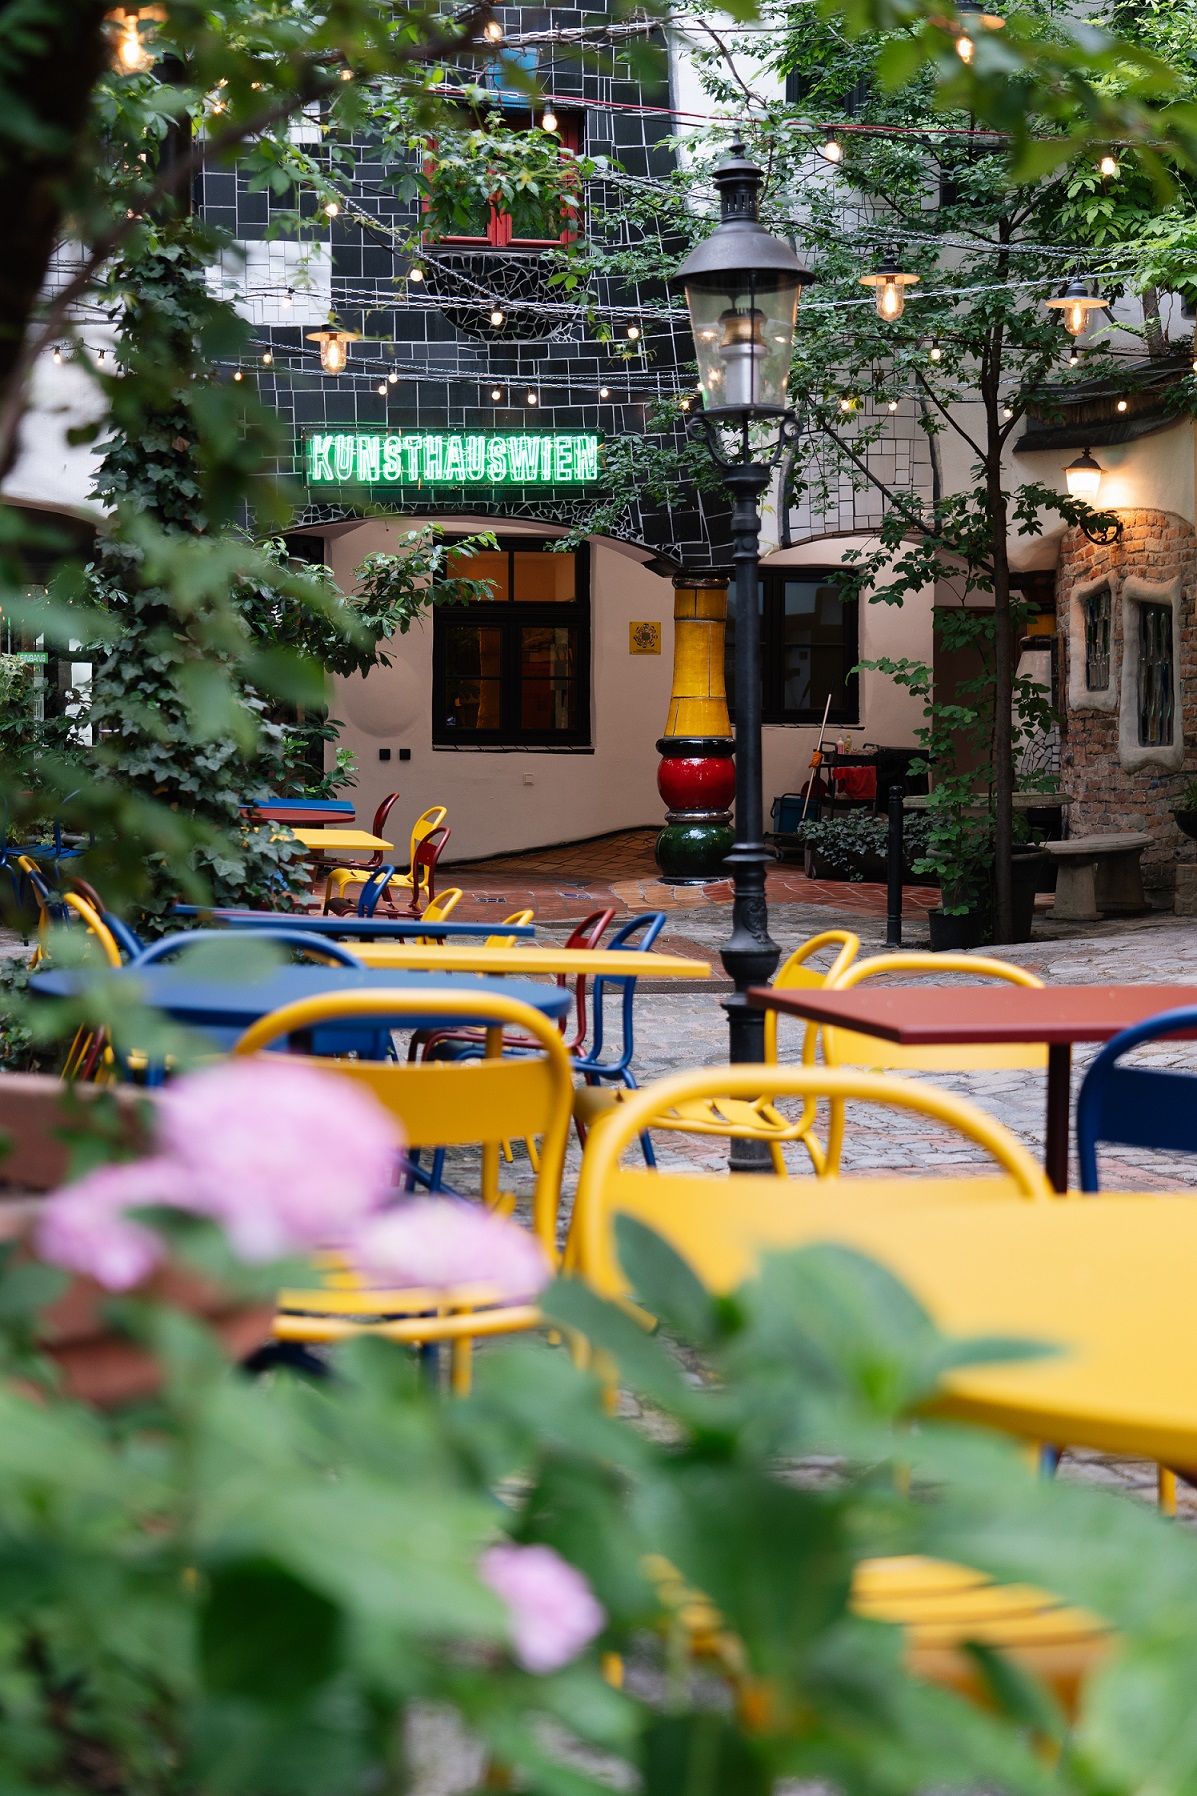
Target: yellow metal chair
942, 1608
342, 881
757, 1117
437, 911
439, 1104
508, 941
845, 1047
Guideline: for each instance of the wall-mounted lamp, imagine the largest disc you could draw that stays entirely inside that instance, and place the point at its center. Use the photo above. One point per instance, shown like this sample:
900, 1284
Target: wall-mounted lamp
1083, 478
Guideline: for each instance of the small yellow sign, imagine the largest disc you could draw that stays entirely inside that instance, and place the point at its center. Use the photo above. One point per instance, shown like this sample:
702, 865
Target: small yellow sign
644, 639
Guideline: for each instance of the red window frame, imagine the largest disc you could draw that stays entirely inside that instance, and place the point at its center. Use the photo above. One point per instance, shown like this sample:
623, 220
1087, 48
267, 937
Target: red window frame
499, 234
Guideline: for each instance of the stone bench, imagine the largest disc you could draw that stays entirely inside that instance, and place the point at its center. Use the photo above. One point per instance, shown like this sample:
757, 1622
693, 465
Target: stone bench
1098, 876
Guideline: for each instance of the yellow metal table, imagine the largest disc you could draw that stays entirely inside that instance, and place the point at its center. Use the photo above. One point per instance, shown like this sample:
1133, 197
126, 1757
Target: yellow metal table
340, 841
1108, 1280
615, 963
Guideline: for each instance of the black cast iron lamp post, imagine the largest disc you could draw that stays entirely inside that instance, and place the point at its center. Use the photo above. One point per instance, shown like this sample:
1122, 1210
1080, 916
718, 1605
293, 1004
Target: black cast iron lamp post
742, 289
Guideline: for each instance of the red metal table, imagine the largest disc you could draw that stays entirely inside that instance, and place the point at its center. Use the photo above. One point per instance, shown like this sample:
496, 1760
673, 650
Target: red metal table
924, 1016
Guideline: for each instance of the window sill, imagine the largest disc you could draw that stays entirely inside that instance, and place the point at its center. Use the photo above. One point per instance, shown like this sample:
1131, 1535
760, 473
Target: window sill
512, 748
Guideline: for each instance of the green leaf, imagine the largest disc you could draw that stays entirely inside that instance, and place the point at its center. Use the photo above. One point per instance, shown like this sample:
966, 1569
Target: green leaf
265, 1634
663, 1282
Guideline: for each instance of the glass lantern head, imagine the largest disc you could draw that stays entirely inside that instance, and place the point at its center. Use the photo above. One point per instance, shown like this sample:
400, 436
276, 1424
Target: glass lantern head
742, 289
1084, 477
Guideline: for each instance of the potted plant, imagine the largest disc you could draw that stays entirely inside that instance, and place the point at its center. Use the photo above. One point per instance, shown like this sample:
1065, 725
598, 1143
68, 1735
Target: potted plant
854, 847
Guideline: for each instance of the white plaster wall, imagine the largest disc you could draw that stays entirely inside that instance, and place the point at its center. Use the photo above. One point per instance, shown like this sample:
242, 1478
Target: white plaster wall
1154, 471
888, 714
50, 472
503, 801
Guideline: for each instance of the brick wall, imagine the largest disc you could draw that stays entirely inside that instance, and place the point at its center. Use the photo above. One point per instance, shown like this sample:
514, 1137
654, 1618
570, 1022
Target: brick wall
1158, 546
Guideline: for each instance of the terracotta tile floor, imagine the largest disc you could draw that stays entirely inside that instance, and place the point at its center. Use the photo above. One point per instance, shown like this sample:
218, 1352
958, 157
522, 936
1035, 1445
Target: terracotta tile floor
566, 882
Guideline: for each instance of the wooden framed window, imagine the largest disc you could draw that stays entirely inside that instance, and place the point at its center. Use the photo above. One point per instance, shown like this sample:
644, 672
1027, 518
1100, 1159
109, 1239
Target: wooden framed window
1096, 609
1157, 680
514, 671
531, 221
808, 648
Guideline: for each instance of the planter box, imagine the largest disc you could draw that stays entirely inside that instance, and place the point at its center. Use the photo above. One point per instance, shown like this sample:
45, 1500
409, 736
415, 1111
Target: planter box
97, 1364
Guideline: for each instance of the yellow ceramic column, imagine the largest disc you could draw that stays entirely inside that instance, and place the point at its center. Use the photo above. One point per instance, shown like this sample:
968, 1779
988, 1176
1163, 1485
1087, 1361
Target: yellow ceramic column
696, 777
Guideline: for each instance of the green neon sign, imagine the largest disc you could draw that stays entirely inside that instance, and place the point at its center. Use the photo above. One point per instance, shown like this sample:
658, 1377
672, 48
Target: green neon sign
449, 458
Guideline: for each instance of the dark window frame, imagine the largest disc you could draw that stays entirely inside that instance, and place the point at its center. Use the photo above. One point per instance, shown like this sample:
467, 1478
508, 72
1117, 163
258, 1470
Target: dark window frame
513, 615
1156, 697
773, 707
1098, 617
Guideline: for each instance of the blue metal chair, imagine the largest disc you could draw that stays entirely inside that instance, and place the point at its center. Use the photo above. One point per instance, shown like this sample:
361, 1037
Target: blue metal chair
373, 890
618, 1069
1136, 1106
130, 945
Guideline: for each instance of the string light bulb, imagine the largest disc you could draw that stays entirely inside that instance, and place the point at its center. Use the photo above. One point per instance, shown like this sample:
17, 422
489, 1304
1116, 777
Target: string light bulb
832, 151
1194, 364
685, 405
848, 405
935, 352
497, 318
346, 74
496, 393
492, 31
334, 347
267, 357
549, 121
58, 354
1007, 413
532, 399
289, 297
393, 377
1121, 406
238, 375
1075, 305
889, 283
1108, 166
331, 208
381, 389
633, 333
1074, 358
416, 273
893, 405
605, 392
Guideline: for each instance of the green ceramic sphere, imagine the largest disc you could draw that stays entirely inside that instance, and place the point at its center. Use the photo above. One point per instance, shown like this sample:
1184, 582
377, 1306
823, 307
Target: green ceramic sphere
691, 853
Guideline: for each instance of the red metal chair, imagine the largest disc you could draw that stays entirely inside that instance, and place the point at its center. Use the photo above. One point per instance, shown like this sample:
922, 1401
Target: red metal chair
342, 889
420, 881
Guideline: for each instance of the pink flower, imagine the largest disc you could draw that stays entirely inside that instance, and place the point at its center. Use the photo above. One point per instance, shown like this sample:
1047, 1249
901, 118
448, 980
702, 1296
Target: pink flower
438, 1241
553, 1610
83, 1227
284, 1156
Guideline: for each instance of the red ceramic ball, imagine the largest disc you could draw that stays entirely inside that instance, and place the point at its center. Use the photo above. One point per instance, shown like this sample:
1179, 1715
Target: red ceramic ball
697, 783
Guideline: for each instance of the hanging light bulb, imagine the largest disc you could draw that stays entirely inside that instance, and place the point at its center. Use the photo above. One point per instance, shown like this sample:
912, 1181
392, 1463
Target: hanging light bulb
289, 297
971, 15
58, 354
268, 357
965, 48
1007, 413
1121, 406
549, 121
334, 347
605, 392
393, 377
101, 355
238, 375
331, 208
346, 74
416, 273
893, 405
1075, 305
832, 151
1083, 477
1108, 166
497, 318
848, 405
532, 399
889, 282
129, 53
633, 333
685, 405
496, 393
492, 31
1074, 358
381, 389
935, 352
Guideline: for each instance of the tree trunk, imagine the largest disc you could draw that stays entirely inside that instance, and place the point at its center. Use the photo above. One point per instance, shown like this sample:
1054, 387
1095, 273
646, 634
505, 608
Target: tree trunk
1153, 329
1003, 703
50, 70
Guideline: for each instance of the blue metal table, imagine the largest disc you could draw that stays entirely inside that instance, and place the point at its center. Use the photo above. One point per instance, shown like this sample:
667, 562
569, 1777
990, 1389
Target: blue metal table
353, 929
217, 1004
